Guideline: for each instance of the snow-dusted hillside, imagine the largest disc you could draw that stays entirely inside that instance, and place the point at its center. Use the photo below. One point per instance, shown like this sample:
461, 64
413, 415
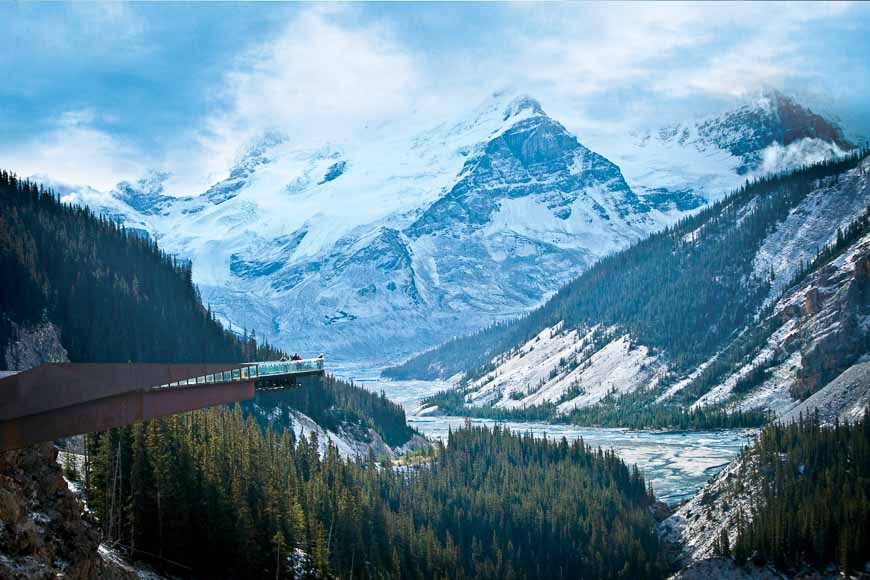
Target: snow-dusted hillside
347, 441
398, 238
815, 330
731, 498
565, 368
822, 324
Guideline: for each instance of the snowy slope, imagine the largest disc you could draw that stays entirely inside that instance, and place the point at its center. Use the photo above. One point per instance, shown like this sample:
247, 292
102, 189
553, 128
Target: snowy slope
568, 369
817, 329
693, 160
394, 239
398, 237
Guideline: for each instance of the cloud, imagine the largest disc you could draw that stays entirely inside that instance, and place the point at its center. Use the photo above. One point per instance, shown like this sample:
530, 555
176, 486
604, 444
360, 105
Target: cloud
320, 78
766, 51
670, 49
597, 47
75, 152
807, 151
320, 72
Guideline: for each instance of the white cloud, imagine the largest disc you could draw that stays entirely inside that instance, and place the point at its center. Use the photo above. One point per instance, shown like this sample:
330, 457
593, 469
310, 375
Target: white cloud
767, 50
668, 50
318, 80
778, 157
75, 152
596, 66
597, 47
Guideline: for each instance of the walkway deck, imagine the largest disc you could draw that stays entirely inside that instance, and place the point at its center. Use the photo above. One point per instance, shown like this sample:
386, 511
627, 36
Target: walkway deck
63, 399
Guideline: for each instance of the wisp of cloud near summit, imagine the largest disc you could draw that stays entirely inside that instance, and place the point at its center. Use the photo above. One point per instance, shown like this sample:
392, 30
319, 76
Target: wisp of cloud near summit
110, 91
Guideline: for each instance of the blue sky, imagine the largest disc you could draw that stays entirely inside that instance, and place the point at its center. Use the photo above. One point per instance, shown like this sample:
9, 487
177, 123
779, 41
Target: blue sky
95, 93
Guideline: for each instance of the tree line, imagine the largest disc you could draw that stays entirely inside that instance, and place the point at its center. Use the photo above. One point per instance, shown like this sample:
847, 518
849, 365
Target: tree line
637, 410
216, 495
812, 506
114, 295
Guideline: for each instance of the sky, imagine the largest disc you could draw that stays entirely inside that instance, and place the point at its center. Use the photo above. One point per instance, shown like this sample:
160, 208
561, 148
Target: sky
95, 93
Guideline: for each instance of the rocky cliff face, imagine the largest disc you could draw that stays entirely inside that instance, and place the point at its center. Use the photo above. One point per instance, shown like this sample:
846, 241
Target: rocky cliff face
34, 346
819, 331
43, 530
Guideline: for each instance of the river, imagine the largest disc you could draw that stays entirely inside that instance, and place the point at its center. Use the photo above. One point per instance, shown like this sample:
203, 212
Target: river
677, 463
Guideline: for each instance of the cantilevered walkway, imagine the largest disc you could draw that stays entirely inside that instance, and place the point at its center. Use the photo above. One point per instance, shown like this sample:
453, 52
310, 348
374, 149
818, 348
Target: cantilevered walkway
64, 399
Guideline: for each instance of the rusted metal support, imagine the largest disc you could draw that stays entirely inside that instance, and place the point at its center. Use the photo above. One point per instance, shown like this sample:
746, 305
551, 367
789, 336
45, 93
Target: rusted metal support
56, 385
63, 399
117, 411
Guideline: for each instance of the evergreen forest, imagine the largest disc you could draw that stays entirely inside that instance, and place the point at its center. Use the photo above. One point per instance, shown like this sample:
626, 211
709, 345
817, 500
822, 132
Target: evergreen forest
212, 493
812, 507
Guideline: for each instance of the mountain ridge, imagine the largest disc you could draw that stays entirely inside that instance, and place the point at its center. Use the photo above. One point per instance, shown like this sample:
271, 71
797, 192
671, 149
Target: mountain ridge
470, 222
727, 330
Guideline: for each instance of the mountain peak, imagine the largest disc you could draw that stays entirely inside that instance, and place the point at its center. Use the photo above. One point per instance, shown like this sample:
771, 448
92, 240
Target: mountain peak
521, 104
146, 195
795, 121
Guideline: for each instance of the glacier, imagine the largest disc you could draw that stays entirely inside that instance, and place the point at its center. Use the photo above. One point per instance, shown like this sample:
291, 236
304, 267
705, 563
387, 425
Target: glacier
397, 237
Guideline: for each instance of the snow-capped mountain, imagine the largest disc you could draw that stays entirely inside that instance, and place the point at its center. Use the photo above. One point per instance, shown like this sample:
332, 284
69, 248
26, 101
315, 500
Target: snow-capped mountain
707, 157
804, 328
396, 239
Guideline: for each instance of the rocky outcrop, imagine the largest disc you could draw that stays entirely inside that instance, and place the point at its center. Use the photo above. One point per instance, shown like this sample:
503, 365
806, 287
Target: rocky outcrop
844, 398
43, 530
698, 524
34, 346
832, 342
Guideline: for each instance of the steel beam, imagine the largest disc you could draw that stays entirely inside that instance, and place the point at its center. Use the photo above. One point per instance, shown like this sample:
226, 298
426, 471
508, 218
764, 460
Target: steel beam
52, 386
121, 409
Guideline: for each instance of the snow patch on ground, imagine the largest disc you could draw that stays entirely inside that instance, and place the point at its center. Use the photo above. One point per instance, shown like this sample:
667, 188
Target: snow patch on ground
112, 556
687, 380
722, 392
570, 368
347, 446
836, 201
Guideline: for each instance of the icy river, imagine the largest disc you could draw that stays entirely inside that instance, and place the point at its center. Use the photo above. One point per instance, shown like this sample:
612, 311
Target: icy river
677, 463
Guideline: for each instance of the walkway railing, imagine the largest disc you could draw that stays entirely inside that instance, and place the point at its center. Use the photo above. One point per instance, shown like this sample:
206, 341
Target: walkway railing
254, 370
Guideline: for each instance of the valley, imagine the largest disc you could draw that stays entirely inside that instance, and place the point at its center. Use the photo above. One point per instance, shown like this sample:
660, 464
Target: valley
643, 415
677, 464
605, 327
